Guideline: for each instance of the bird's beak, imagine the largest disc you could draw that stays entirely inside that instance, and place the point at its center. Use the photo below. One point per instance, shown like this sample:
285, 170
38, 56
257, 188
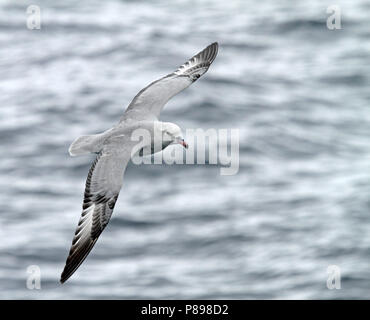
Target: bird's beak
183, 143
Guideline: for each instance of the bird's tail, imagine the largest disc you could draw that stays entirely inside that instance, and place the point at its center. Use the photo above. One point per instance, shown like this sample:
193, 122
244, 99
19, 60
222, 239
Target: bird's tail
85, 144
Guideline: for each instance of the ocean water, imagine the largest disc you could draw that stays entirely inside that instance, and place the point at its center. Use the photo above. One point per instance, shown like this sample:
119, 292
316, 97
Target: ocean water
298, 92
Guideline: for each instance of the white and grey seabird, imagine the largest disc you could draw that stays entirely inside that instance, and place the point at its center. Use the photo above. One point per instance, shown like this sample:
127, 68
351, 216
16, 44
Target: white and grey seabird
114, 149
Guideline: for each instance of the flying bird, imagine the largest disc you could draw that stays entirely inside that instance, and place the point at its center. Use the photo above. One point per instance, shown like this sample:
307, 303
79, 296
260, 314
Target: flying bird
114, 149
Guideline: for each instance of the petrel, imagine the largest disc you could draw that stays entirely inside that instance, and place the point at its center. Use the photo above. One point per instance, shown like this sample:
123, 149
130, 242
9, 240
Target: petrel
114, 149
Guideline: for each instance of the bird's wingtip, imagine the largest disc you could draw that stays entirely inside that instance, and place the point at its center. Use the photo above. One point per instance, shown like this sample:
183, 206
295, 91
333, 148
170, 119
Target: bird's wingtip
214, 44
63, 279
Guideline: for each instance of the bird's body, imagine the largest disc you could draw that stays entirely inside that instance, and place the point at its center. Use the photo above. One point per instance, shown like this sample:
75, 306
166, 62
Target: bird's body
116, 146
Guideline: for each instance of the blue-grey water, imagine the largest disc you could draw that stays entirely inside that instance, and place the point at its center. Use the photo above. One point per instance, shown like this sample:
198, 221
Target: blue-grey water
298, 92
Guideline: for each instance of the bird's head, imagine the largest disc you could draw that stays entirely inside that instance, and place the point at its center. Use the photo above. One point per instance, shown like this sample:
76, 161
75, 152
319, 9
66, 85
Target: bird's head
172, 134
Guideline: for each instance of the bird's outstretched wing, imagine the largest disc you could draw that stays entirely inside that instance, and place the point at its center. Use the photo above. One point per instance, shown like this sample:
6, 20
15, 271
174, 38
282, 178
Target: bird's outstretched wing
103, 185
150, 101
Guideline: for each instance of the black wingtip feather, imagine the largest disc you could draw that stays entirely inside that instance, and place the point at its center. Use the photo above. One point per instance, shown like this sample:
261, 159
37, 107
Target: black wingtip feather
196, 66
75, 259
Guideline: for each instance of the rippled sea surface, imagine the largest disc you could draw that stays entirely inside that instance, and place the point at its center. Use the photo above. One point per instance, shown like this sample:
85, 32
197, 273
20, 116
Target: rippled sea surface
299, 94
